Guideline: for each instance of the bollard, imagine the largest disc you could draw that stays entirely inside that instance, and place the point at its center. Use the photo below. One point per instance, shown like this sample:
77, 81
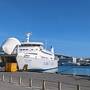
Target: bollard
20, 80
59, 85
10, 79
78, 87
43, 85
3, 77
30, 82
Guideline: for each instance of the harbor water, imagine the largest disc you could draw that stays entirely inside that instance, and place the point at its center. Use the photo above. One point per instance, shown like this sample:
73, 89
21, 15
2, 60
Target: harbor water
71, 70
75, 70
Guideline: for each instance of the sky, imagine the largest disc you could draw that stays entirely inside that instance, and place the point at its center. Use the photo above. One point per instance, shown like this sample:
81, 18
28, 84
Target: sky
64, 24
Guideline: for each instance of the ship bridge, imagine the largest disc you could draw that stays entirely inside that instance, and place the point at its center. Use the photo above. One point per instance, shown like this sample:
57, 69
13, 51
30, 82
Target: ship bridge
32, 44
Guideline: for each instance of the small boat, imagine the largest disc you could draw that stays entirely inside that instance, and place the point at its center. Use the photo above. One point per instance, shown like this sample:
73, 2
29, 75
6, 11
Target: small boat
68, 64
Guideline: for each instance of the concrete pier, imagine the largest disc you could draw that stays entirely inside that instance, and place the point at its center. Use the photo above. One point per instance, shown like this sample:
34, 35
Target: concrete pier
42, 81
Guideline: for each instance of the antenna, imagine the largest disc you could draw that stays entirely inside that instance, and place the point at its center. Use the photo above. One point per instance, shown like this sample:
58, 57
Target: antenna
28, 36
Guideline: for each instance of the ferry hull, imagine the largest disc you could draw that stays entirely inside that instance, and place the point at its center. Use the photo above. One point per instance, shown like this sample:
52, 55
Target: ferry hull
37, 64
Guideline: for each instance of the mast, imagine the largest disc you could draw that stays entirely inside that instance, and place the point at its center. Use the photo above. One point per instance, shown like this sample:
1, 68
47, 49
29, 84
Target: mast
52, 49
28, 36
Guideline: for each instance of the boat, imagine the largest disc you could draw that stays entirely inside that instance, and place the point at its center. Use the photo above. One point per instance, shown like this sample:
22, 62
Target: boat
31, 55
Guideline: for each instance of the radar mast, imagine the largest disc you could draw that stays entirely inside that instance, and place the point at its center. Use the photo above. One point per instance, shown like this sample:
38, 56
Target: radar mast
28, 36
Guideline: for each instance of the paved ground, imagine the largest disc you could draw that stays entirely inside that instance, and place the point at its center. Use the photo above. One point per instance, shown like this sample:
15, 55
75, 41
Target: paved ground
68, 82
10, 86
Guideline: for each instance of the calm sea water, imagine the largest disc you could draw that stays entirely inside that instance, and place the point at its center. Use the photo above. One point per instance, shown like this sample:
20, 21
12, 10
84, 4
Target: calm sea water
76, 70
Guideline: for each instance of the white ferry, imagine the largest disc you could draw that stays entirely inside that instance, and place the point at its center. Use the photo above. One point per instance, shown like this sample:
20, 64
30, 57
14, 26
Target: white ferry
31, 54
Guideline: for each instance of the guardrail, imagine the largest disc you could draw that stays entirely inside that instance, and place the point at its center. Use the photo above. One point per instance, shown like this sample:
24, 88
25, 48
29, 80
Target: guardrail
44, 84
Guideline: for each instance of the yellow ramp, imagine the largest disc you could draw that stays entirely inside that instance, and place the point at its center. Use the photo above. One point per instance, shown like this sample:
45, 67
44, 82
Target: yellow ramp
11, 67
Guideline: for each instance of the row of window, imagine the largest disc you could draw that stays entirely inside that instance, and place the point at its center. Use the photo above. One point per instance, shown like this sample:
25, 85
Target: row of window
27, 49
24, 45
